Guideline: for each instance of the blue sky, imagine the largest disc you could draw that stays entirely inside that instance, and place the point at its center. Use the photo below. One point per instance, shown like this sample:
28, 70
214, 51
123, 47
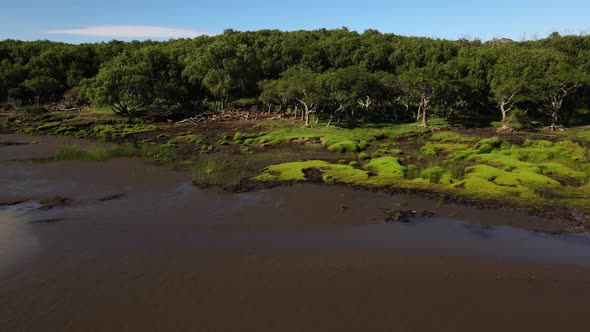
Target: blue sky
79, 21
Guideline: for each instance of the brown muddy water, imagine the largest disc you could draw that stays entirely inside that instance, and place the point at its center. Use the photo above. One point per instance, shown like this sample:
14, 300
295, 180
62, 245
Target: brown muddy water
138, 248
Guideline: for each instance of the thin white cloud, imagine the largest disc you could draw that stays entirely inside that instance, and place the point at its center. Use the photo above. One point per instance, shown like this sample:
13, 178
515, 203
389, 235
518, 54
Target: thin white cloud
128, 31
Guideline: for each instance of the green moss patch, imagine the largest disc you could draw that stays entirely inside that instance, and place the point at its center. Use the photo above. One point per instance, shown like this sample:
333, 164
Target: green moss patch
534, 174
433, 174
563, 164
343, 174
190, 138
114, 131
486, 145
289, 172
347, 146
329, 173
334, 138
452, 137
387, 167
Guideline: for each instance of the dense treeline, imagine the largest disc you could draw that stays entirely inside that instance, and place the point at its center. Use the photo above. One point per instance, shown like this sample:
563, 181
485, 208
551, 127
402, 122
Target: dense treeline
337, 75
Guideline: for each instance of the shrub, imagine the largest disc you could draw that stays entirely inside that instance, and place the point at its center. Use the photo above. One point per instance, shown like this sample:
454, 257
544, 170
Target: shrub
433, 174
364, 156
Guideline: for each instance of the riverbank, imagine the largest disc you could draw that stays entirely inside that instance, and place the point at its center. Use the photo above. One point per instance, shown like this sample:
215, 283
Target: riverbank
541, 173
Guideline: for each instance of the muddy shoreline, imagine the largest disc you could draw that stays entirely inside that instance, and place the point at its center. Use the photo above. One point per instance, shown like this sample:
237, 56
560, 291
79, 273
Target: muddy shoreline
566, 221
42, 148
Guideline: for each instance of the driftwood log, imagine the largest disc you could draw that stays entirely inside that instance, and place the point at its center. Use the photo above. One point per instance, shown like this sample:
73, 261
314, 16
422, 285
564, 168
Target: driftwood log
226, 116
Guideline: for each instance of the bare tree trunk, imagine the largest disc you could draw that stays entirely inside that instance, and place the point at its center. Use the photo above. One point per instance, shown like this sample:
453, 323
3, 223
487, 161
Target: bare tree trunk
424, 101
505, 111
337, 112
364, 104
556, 106
554, 117
504, 119
308, 108
557, 101
505, 107
419, 112
281, 110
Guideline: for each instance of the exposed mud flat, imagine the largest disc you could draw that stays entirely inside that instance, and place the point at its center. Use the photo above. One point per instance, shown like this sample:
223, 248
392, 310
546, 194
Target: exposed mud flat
138, 248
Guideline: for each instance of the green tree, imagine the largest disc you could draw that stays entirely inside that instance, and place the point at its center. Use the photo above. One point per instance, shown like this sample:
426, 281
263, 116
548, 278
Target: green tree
426, 85
147, 78
516, 77
228, 68
273, 94
351, 89
123, 84
561, 78
43, 88
11, 76
302, 85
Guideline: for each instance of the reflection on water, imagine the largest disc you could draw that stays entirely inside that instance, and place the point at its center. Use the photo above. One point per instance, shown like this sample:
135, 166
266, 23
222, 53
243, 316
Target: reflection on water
186, 187
17, 242
440, 237
496, 242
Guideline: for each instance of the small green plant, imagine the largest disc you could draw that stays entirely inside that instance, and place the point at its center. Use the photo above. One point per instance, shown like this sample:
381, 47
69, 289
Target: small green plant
222, 142
364, 156
354, 164
433, 174
486, 145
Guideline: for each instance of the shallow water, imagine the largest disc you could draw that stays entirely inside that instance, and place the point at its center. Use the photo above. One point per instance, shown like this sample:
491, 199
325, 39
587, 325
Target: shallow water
164, 255
250, 221
17, 241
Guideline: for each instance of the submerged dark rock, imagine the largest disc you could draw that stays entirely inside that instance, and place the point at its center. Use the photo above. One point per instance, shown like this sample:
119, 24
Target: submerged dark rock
401, 215
55, 202
47, 221
11, 203
426, 213
398, 215
111, 197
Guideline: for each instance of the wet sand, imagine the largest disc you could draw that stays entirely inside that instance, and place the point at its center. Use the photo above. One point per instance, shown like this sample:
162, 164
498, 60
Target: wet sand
165, 256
